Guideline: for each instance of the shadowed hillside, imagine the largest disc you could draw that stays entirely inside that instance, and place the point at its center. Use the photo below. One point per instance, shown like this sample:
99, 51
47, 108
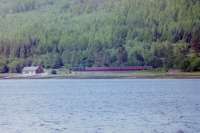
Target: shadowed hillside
159, 33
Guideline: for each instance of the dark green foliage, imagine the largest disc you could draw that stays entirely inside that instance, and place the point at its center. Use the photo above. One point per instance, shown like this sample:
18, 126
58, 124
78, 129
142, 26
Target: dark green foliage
191, 64
78, 33
54, 72
3, 66
185, 65
122, 56
16, 66
195, 64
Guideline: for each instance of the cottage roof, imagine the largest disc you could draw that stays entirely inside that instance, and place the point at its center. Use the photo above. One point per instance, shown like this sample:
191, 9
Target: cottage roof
32, 68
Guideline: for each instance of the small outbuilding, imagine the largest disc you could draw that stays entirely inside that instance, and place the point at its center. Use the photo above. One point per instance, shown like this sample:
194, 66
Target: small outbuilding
33, 70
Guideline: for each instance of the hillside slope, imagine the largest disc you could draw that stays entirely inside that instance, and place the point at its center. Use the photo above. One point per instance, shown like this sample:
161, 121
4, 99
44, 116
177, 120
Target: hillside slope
160, 33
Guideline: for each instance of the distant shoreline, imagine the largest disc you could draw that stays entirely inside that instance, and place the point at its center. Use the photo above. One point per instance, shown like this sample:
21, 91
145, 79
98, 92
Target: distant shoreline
110, 75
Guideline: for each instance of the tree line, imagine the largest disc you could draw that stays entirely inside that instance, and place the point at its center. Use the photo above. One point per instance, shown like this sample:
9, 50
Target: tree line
76, 33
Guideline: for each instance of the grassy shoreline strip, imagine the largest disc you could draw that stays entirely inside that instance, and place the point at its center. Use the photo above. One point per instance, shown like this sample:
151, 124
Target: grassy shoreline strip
131, 75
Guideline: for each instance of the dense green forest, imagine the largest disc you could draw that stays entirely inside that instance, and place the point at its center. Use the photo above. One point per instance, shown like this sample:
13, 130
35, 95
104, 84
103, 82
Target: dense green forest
67, 33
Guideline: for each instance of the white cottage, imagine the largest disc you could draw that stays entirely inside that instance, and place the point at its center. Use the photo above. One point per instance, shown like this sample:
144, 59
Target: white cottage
33, 70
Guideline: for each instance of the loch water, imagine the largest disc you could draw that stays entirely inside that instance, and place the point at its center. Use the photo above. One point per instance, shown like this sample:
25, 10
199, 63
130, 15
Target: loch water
100, 106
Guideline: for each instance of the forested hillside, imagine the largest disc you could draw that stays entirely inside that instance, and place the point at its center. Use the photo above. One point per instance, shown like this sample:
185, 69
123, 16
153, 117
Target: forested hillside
66, 33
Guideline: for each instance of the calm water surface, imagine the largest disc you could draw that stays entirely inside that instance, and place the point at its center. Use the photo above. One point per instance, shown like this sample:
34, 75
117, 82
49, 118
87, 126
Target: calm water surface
99, 106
